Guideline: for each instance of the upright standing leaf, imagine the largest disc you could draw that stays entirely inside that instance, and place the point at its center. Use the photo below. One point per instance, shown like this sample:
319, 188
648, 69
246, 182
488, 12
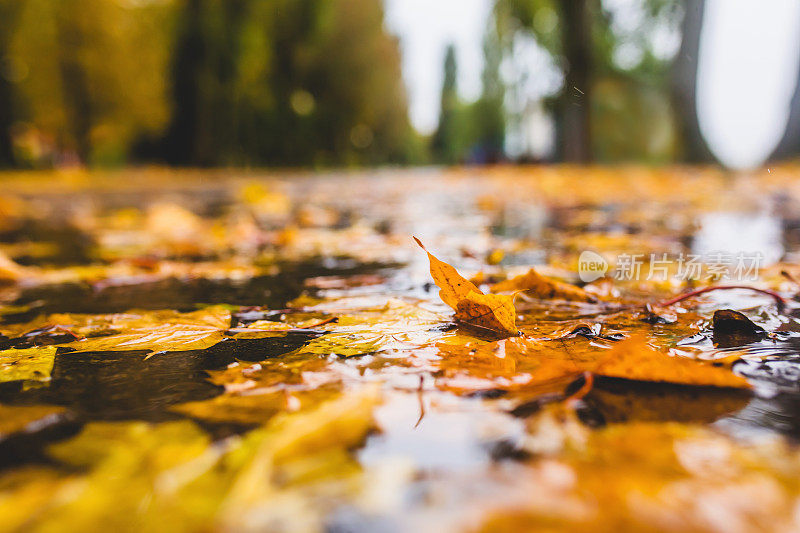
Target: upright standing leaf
488, 311
453, 287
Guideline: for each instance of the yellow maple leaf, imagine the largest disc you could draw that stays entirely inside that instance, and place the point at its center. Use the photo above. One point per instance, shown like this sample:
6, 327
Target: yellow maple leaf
538, 286
489, 311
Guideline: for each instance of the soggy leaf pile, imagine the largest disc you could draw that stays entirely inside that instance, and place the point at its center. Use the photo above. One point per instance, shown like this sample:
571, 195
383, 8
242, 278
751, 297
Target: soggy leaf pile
215, 351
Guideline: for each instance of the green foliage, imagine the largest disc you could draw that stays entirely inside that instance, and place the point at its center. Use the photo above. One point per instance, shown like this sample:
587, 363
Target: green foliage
630, 89
472, 131
537, 16
447, 140
632, 121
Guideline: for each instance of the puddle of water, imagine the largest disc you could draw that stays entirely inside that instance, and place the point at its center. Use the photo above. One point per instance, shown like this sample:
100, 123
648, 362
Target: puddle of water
740, 233
777, 413
114, 385
272, 291
436, 432
458, 450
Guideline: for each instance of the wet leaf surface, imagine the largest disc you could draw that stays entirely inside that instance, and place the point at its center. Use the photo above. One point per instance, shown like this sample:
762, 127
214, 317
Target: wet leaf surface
266, 353
27, 364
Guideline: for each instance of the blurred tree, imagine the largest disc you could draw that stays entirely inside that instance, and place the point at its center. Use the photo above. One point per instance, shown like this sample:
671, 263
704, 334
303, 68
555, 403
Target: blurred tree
574, 124
289, 82
568, 39
592, 42
489, 116
202, 82
203, 127
694, 148
619, 130
9, 12
181, 145
72, 36
350, 68
473, 132
445, 144
789, 145
91, 73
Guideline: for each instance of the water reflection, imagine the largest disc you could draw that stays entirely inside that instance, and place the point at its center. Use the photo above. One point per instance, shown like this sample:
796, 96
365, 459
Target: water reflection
139, 384
453, 435
751, 234
619, 401
776, 404
778, 414
182, 294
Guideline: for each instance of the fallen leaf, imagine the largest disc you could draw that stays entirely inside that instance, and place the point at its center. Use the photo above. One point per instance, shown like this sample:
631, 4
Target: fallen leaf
473, 307
645, 476
162, 331
509, 364
544, 288
491, 311
237, 409
336, 424
344, 345
634, 359
30, 364
453, 287
168, 337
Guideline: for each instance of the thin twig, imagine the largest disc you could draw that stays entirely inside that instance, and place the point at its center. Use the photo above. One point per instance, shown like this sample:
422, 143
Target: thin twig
321, 322
780, 300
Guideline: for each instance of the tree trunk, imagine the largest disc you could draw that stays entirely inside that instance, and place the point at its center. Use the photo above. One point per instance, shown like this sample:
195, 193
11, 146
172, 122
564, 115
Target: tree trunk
181, 145
574, 123
6, 121
684, 86
8, 12
78, 106
789, 145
